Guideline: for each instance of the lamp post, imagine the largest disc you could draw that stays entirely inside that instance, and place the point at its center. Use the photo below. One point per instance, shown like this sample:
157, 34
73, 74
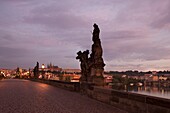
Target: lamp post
125, 77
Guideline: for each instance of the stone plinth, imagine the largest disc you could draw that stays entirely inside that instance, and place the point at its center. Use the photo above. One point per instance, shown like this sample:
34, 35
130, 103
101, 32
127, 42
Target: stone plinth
98, 80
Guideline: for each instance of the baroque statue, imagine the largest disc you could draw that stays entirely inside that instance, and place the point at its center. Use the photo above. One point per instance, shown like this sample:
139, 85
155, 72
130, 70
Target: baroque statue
92, 67
36, 71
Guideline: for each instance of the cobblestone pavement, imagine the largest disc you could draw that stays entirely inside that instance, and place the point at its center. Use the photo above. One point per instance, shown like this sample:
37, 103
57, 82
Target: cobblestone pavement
23, 96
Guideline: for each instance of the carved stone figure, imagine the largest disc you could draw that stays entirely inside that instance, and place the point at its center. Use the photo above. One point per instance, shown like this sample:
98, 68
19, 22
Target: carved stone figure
92, 68
83, 57
97, 51
36, 70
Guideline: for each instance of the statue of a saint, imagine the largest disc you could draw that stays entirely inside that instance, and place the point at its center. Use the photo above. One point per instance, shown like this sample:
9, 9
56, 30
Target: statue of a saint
92, 67
83, 57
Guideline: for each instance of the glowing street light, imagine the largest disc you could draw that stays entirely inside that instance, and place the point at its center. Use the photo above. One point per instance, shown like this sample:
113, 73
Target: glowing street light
43, 66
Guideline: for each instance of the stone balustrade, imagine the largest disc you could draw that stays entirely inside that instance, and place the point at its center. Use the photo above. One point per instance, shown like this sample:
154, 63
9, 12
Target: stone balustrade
72, 86
130, 102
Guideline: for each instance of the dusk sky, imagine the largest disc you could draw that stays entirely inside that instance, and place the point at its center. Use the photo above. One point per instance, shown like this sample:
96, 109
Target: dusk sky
135, 34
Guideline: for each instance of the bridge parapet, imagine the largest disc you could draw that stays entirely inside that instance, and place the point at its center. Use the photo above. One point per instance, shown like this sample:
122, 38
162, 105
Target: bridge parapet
72, 86
131, 102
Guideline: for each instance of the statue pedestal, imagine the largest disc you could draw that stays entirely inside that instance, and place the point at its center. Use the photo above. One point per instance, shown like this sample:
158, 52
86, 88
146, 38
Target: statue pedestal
98, 80
83, 78
86, 87
97, 77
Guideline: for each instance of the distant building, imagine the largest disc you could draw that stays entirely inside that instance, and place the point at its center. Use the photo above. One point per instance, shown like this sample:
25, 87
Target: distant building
50, 67
163, 78
155, 78
108, 78
154, 72
151, 77
71, 77
71, 70
52, 72
7, 72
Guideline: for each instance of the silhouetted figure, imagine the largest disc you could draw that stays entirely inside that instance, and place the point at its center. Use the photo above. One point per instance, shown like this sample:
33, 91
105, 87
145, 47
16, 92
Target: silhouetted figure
83, 57
94, 65
96, 32
97, 51
36, 71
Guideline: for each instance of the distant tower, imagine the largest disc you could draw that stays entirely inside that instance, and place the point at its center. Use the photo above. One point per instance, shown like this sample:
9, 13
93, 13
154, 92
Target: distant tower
50, 65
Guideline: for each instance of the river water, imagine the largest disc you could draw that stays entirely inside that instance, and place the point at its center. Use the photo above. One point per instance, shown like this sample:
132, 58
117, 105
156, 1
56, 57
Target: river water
152, 91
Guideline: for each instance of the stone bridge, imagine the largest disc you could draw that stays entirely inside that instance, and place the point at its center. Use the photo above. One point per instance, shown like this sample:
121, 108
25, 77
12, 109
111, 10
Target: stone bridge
24, 96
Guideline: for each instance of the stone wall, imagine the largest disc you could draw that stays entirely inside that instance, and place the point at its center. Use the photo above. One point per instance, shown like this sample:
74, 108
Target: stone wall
72, 86
131, 102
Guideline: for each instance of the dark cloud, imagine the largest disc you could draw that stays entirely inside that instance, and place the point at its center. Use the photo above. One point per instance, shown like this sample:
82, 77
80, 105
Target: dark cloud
13, 57
56, 16
163, 18
71, 57
132, 45
163, 22
126, 66
138, 50
6, 37
124, 35
9, 53
62, 21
